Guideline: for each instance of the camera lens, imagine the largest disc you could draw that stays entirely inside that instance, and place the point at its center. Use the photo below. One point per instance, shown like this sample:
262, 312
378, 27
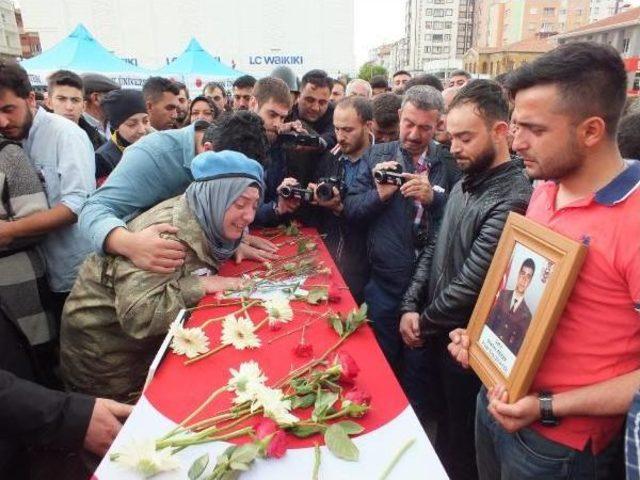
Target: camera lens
378, 175
285, 192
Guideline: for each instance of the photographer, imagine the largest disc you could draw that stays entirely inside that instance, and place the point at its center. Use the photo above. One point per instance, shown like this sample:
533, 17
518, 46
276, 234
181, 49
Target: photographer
401, 216
335, 175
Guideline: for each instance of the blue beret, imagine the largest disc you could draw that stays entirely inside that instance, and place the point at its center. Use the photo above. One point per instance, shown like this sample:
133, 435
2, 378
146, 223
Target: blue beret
225, 164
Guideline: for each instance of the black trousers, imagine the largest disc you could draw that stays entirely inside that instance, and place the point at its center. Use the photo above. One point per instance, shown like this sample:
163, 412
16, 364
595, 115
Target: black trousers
447, 394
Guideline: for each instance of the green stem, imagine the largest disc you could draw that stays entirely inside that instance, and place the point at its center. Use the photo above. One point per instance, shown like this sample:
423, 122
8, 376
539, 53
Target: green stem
316, 461
191, 441
396, 459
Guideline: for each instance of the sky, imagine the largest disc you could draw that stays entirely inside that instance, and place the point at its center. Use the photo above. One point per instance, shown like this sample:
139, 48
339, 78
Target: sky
376, 22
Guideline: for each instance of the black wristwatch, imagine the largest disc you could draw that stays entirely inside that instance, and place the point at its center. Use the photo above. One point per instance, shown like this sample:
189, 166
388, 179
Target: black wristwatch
547, 418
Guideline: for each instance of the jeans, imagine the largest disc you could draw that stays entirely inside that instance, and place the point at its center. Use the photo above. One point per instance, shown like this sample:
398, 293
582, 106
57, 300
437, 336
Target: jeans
385, 320
528, 455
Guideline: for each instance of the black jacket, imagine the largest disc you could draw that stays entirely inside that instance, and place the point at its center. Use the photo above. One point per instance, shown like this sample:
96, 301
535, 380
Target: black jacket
392, 240
452, 268
32, 415
95, 137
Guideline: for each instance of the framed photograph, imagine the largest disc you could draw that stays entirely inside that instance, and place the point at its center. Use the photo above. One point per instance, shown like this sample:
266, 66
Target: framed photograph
524, 293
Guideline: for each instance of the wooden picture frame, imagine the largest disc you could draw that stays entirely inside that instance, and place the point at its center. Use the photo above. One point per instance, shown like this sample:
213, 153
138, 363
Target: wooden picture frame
505, 347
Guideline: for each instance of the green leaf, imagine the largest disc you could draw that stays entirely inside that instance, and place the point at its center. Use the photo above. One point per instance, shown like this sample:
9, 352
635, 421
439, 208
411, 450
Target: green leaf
289, 267
231, 475
198, 467
339, 443
301, 386
304, 401
239, 466
304, 431
324, 401
246, 454
316, 295
336, 323
351, 428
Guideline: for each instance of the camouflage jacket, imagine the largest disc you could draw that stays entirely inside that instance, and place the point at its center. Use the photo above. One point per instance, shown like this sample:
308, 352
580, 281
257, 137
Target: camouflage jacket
117, 314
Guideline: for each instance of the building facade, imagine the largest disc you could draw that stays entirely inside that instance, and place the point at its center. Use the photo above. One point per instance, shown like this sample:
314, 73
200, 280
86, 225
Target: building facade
498, 23
10, 47
622, 31
392, 56
438, 33
29, 41
601, 9
255, 35
487, 62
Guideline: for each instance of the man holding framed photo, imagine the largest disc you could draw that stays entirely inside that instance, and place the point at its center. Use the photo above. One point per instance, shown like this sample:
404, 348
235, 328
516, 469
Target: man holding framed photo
567, 106
450, 270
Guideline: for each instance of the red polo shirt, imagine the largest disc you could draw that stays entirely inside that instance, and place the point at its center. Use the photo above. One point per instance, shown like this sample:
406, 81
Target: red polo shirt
598, 335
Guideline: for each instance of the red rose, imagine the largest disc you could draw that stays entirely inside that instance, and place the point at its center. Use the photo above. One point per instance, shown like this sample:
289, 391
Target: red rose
265, 427
334, 295
275, 439
277, 445
358, 397
348, 367
303, 350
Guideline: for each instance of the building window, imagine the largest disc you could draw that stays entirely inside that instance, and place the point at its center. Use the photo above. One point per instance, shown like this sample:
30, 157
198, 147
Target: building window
549, 11
428, 25
625, 45
438, 25
428, 12
447, 37
447, 25
437, 37
445, 49
427, 49
438, 12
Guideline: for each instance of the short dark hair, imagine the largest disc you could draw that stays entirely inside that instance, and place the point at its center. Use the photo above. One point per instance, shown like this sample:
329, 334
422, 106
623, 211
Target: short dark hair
201, 125
212, 85
488, 98
154, 87
385, 109
629, 136
271, 88
181, 86
529, 263
64, 78
361, 105
424, 79
400, 72
460, 73
241, 131
379, 81
590, 77
13, 77
340, 82
317, 78
245, 81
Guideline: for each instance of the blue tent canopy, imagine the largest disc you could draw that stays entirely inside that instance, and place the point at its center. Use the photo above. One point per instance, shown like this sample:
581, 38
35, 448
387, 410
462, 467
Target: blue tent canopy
195, 60
81, 53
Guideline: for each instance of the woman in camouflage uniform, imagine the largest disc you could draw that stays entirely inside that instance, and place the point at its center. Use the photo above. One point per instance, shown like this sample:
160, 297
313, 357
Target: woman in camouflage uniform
117, 314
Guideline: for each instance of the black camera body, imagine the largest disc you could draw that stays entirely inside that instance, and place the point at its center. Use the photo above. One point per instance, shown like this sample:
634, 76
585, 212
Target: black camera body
324, 190
296, 191
390, 176
295, 139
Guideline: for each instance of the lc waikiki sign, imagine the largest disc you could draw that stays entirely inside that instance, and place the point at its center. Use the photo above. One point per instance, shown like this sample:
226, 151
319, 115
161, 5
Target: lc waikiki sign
276, 60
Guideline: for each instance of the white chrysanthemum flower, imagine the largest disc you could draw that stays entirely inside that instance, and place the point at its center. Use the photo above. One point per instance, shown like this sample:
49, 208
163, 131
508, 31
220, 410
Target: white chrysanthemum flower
274, 405
278, 309
245, 382
188, 341
143, 457
239, 332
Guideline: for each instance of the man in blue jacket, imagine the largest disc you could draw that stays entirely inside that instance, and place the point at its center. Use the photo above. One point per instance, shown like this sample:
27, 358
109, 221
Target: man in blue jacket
400, 217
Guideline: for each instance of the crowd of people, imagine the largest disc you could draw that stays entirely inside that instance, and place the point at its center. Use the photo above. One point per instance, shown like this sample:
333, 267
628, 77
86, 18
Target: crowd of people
119, 206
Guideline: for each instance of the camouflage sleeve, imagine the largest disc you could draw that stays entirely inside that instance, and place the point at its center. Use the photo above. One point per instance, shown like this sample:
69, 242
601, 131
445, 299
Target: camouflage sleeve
147, 303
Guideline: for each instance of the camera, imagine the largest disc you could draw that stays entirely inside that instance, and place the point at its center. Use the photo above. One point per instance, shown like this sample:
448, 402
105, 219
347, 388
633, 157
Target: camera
324, 190
296, 191
392, 176
295, 139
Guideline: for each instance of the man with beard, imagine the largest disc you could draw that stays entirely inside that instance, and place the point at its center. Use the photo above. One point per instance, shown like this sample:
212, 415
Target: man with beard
183, 103
242, 88
451, 269
352, 119
161, 97
63, 156
568, 104
400, 217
